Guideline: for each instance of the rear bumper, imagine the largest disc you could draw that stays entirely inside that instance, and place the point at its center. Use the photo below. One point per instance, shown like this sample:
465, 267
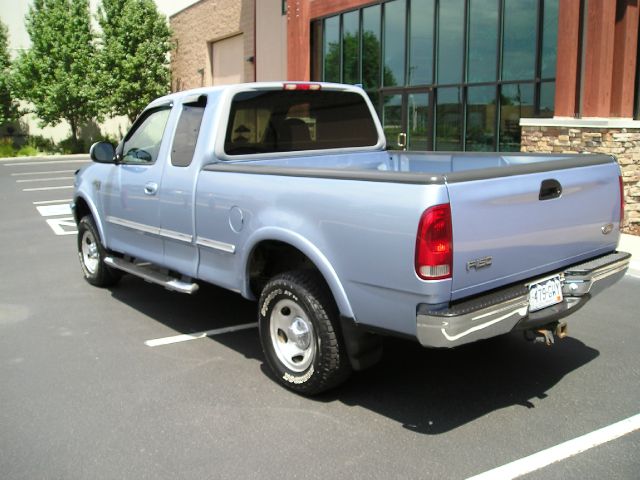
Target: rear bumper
507, 309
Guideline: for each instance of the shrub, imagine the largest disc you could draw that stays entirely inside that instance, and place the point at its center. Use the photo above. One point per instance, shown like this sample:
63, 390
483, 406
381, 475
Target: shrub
27, 151
6, 148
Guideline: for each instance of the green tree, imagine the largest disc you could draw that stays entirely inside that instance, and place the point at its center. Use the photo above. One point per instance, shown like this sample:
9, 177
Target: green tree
8, 108
56, 74
134, 58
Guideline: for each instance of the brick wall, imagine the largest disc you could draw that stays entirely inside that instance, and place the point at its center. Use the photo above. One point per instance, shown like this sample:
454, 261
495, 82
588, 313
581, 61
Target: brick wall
196, 27
624, 143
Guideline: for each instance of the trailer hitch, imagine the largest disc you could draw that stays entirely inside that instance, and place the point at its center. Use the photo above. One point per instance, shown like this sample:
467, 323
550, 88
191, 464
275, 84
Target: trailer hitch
547, 334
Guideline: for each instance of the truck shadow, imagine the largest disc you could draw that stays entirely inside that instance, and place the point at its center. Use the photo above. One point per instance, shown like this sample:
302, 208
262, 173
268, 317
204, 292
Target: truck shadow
426, 391
434, 391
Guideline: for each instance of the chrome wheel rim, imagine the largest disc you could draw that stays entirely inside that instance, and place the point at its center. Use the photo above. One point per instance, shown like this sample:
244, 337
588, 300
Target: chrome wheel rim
90, 255
292, 335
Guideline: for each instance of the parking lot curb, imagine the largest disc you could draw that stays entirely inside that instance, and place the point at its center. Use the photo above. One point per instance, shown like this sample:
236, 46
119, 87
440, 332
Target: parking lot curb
631, 244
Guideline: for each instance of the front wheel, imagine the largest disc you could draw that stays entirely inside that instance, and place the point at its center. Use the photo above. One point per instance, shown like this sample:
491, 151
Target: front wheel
300, 333
91, 254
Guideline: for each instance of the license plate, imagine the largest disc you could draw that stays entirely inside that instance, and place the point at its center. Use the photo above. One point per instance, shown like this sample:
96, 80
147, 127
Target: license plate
545, 293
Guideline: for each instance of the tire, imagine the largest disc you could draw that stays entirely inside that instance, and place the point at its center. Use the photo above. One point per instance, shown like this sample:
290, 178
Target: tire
300, 333
91, 254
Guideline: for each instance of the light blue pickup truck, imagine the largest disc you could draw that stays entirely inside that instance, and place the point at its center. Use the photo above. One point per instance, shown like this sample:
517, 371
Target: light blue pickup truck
286, 193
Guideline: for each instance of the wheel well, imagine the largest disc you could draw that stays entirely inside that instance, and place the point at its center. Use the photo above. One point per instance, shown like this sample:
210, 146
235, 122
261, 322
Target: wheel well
81, 209
270, 258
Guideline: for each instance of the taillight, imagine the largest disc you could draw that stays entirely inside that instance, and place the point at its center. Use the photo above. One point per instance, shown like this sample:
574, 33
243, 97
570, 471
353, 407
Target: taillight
301, 86
434, 244
621, 201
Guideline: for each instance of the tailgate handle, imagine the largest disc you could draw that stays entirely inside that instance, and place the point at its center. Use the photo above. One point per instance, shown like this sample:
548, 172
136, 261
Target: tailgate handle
549, 189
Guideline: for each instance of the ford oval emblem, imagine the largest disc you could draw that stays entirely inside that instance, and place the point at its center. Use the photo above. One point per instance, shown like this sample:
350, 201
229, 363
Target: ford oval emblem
607, 229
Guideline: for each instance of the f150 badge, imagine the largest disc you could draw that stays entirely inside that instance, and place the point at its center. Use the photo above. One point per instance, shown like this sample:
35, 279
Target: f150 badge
479, 263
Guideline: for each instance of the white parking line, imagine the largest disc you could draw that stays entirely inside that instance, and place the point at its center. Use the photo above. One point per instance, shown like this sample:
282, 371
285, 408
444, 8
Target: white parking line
63, 226
43, 179
54, 210
194, 336
42, 189
51, 162
24, 174
46, 202
561, 452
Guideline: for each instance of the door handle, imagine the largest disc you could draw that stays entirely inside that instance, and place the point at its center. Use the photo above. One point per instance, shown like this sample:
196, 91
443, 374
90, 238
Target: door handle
550, 189
402, 140
150, 188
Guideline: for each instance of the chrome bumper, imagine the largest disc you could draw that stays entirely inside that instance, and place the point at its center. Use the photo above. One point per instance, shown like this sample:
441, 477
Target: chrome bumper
507, 309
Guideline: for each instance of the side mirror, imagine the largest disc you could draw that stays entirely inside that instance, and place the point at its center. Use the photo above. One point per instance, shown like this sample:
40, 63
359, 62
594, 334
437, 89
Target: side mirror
102, 152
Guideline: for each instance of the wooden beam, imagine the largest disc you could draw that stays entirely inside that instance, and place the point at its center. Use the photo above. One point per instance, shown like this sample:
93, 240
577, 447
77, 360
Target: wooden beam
625, 59
568, 58
599, 54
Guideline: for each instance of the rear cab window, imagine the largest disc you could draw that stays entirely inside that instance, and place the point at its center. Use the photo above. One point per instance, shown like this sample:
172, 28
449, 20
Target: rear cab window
187, 131
289, 121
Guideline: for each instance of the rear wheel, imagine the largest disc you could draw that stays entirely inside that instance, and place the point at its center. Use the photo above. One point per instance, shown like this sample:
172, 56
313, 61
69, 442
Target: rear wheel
300, 333
91, 254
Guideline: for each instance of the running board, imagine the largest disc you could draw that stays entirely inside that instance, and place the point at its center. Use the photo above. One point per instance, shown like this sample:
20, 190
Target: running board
150, 275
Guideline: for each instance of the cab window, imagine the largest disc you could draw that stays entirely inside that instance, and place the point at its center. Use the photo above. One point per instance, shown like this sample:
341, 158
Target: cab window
142, 144
290, 121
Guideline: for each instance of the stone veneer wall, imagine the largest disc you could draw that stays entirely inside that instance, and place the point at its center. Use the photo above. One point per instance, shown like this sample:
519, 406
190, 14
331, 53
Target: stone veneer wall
624, 143
200, 24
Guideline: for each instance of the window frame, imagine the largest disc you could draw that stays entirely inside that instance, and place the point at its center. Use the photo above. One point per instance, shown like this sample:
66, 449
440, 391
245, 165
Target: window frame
226, 106
537, 80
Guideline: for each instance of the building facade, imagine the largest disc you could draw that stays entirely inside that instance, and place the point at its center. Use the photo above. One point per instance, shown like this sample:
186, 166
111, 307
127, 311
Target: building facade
228, 41
472, 75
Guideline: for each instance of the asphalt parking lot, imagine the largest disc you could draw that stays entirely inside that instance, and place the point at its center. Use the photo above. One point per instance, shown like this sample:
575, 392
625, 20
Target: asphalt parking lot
84, 395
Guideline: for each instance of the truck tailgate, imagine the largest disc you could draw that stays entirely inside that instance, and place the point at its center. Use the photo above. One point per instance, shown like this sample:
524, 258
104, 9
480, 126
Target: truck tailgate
513, 227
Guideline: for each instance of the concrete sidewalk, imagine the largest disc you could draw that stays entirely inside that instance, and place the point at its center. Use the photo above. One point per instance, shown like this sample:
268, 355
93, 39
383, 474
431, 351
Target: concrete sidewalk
631, 244
66, 156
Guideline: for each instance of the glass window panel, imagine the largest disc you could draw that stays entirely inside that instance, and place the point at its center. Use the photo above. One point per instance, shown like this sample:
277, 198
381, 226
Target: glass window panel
288, 121
549, 39
483, 40
394, 42
448, 119
351, 47
450, 41
421, 42
516, 102
142, 143
186, 137
371, 47
547, 98
392, 119
331, 49
481, 119
519, 42
418, 119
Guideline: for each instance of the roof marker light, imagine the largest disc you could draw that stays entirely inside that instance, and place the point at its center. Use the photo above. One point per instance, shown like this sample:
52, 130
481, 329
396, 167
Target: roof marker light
301, 86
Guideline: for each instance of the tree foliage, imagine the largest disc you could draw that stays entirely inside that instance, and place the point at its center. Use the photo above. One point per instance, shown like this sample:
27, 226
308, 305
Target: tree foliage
133, 60
370, 62
56, 74
8, 109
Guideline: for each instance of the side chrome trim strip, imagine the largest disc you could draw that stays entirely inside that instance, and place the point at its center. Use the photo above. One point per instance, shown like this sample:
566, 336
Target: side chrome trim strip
133, 225
216, 245
173, 235
141, 227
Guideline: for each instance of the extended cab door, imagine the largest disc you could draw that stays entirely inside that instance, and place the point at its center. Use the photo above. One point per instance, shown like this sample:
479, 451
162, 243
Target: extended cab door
177, 188
131, 201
